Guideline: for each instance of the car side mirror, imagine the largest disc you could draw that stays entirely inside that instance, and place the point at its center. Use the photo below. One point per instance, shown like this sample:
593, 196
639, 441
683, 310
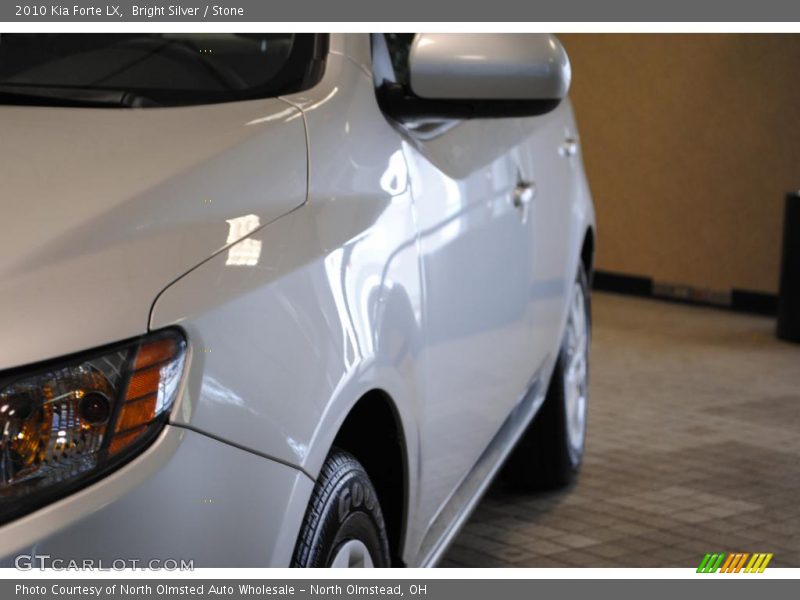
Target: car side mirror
464, 76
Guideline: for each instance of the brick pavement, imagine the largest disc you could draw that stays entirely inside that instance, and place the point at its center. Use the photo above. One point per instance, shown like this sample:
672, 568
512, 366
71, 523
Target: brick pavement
693, 446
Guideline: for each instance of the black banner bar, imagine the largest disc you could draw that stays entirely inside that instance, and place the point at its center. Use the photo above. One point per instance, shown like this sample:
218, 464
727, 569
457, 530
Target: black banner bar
444, 11
733, 587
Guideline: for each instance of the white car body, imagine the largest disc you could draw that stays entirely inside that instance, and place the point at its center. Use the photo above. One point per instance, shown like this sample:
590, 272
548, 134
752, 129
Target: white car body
316, 256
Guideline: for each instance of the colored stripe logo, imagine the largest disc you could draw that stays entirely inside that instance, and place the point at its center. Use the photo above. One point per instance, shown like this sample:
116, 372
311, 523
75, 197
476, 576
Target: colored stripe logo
737, 562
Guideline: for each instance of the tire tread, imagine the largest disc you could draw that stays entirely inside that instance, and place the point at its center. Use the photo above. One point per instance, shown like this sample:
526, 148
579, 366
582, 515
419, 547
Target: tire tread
337, 466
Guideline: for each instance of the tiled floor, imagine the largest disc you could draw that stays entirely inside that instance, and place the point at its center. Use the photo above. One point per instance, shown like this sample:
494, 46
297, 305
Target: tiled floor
693, 446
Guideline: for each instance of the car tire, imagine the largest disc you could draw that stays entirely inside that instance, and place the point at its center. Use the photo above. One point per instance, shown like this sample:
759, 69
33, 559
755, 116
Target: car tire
550, 452
343, 525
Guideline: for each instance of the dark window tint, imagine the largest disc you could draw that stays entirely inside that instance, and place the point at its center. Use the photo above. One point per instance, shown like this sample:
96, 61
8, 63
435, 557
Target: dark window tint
399, 45
158, 69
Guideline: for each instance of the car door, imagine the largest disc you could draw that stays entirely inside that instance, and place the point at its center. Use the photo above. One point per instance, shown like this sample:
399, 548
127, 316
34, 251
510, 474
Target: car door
550, 163
475, 204
474, 244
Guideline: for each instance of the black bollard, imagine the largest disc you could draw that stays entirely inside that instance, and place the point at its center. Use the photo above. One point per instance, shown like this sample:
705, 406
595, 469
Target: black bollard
789, 293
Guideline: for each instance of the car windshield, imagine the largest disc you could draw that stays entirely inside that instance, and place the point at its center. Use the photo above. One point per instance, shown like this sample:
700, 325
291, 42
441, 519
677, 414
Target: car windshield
155, 69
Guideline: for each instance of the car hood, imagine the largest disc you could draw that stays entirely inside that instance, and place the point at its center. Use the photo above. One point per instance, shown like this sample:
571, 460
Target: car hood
101, 209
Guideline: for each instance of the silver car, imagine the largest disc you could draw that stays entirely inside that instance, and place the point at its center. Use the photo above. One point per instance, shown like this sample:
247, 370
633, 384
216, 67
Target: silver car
275, 299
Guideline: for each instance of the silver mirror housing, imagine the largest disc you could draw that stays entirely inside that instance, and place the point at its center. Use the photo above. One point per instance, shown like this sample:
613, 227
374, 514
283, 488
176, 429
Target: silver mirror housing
468, 76
489, 66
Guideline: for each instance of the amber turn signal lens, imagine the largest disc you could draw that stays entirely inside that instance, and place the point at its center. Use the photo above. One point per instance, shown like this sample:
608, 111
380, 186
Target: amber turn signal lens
143, 383
154, 353
123, 440
151, 368
137, 412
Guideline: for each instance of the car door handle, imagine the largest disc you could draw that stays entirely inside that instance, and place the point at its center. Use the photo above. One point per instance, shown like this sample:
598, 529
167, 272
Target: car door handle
568, 148
523, 194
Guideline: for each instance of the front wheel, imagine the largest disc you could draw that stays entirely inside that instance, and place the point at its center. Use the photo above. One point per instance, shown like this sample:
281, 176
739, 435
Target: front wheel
550, 451
343, 526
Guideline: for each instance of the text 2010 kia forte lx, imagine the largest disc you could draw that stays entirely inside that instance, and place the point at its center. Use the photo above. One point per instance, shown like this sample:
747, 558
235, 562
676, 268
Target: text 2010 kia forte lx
274, 299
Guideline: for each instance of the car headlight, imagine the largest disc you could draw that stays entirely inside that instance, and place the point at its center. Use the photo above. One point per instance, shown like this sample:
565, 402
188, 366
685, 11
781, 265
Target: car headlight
66, 423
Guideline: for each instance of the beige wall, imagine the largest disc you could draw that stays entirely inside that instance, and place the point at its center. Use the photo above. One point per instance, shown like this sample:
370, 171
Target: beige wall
690, 142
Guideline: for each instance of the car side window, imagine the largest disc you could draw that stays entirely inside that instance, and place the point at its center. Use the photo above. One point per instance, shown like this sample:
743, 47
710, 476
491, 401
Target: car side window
399, 45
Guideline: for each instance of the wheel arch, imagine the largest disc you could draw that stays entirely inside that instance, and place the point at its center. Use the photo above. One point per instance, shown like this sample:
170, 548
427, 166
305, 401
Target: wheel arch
587, 254
373, 432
